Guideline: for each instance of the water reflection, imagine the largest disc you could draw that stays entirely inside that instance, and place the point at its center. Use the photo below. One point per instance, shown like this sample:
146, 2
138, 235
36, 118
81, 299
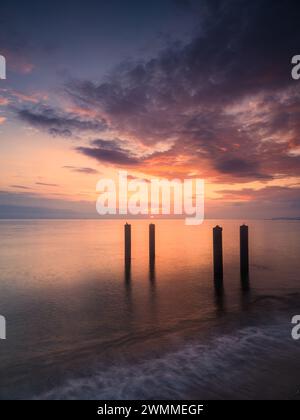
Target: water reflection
127, 279
152, 276
245, 283
219, 299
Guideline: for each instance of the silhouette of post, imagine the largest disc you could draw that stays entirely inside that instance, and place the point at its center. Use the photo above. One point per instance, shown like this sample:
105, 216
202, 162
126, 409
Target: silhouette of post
218, 254
151, 243
244, 252
127, 232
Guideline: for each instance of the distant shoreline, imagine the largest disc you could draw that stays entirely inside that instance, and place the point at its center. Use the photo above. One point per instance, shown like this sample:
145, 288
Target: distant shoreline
285, 218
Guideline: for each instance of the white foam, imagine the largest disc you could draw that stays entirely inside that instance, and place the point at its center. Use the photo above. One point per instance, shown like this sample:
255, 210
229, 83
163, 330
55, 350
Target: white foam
225, 367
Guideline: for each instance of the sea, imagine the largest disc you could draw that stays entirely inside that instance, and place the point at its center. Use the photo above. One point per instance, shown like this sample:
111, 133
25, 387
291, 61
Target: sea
82, 325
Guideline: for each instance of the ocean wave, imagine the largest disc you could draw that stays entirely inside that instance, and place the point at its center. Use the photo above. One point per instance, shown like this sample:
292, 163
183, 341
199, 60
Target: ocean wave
239, 365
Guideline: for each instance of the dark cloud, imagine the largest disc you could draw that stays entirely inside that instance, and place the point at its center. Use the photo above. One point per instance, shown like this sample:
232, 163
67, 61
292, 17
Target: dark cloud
58, 122
241, 167
109, 151
46, 184
21, 187
242, 53
244, 47
82, 170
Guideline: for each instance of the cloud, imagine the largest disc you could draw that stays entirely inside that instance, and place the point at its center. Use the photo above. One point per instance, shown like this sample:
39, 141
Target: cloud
3, 101
281, 192
225, 99
82, 169
22, 97
287, 197
30, 205
21, 187
200, 95
58, 122
266, 202
46, 184
109, 151
28, 212
137, 178
241, 167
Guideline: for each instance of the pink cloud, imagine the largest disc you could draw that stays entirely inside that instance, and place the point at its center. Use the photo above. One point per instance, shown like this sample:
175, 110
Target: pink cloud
4, 101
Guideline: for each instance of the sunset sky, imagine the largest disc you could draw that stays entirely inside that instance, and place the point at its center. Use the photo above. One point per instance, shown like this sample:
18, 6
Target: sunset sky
161, 88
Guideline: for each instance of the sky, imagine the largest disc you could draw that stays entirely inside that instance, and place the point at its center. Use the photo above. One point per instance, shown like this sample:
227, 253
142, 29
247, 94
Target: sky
160, 88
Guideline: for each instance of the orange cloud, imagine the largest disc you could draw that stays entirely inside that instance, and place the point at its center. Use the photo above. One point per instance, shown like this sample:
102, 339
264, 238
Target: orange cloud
3, 101
22, 97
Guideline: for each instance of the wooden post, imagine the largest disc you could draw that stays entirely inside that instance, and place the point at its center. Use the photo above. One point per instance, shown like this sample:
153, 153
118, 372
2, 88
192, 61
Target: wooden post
127, 232
244, 252
218, 254
151, 243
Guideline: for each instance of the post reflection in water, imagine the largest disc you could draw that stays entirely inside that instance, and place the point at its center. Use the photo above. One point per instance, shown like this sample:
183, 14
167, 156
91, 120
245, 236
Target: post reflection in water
245, 283
152, 277
127, 278
219, 299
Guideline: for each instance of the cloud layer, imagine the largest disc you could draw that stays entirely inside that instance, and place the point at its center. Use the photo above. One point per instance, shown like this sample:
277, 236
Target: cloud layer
221, 105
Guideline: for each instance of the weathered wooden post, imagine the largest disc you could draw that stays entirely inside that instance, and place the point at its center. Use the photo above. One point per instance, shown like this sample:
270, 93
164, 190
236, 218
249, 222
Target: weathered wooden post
244, 252
218, 255
127, 232
151, 243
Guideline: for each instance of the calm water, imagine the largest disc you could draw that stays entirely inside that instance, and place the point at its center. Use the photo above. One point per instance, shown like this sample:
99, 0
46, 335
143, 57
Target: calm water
78, 326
